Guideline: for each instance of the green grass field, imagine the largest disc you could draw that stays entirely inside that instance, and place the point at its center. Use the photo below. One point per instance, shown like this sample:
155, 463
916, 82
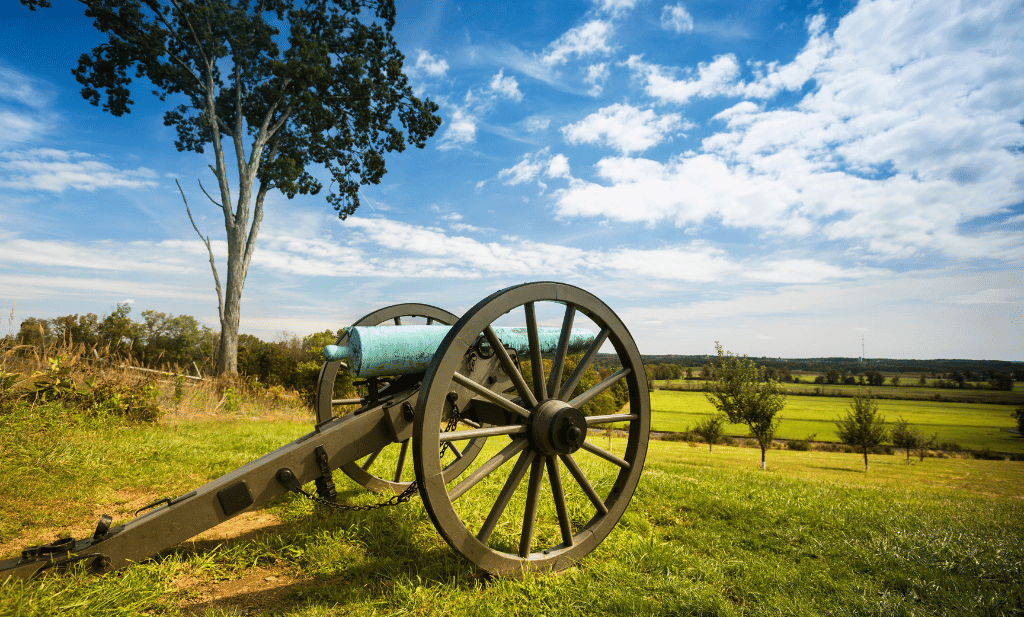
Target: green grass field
971, 425
707, 534
911, 391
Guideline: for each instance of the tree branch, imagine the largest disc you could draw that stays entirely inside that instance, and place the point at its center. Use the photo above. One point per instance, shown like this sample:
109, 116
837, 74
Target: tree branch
206, 240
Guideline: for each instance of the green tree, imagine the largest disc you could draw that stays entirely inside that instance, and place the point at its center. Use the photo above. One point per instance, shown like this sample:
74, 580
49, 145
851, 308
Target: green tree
905, 436
1018, 415
711, 429
328, 92
863, 427
741, 392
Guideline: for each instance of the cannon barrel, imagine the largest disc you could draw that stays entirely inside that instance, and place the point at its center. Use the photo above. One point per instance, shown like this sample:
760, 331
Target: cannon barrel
375, 351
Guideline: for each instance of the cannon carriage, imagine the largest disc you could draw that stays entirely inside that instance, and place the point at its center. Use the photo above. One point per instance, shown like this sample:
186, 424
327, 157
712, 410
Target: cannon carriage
502, 455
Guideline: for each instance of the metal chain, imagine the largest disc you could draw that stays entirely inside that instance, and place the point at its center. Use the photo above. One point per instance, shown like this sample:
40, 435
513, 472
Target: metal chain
404, 496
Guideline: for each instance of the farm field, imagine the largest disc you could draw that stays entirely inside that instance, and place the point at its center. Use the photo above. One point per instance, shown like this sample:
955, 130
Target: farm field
706, 533
970, 425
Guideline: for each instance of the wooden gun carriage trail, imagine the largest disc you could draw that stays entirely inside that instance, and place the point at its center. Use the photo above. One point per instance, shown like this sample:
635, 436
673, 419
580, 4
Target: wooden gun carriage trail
445, 387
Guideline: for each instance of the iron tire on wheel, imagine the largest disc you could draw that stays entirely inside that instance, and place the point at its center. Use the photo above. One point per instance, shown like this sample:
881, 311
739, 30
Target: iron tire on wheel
325, 392
529, 453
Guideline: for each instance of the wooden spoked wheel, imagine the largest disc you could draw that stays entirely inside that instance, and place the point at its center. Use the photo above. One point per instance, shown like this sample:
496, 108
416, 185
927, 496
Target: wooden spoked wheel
388, 469
577, 491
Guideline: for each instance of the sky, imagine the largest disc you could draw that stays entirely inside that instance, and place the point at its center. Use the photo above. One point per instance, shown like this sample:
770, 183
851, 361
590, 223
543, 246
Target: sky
793, 179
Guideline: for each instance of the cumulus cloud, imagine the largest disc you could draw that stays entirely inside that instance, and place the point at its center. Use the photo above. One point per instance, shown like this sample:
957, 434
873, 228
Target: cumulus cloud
584, 40
596, 76
429, 64
899, 142
615, 7
623, 127
54, 170
460, 128
676, 18
506, 87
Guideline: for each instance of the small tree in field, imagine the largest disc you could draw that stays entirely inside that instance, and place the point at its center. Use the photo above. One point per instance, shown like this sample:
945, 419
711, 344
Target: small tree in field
741, 391
863, 427
710, 429
1018, 414
905, 436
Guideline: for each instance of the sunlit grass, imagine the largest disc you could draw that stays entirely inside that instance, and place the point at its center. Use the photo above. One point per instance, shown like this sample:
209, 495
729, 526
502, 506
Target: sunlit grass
971, 425
706, 534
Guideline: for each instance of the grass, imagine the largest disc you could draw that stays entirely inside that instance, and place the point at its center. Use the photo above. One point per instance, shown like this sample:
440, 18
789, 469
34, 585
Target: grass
707, 534
970, 425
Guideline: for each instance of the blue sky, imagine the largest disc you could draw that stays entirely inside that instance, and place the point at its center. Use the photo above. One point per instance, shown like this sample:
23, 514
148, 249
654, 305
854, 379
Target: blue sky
783, 177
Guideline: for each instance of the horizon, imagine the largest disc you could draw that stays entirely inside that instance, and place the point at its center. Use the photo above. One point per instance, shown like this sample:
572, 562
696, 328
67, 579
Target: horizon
782, 178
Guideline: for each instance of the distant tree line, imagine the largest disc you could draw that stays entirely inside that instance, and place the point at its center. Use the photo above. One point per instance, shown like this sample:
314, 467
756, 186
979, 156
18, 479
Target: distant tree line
178, 343
978, 374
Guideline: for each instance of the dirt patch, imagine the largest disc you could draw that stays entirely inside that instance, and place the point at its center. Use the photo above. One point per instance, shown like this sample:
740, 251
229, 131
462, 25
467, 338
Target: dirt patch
245, 525
251, 594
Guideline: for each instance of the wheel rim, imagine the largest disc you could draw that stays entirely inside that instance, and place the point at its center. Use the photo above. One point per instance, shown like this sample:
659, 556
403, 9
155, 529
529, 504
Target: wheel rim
527, 522
388, 469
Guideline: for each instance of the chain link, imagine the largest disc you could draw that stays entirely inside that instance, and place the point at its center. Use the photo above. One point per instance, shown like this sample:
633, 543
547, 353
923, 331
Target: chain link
403, 497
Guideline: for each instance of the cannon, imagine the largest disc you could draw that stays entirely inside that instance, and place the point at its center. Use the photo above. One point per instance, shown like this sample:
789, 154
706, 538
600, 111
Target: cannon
478, 421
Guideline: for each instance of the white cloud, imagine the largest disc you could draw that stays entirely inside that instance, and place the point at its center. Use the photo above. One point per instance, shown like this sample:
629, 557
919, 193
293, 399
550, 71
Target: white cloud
676, 18
536, 124
460, 129
58, 170
615, 7
506, 87
909, 133
712, 79
430, 65
23, 89
623, 127
597, 74
585, 40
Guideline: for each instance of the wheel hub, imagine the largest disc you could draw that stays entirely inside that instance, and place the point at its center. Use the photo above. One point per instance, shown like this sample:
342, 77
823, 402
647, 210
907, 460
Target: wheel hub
558, 428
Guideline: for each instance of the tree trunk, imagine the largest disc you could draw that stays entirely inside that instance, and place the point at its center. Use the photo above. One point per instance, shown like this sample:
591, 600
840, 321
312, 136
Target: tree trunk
865, 460
763, 467
227, 359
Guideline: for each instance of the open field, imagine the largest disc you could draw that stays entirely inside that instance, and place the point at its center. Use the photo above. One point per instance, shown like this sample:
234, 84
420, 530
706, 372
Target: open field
706, 534
971, 425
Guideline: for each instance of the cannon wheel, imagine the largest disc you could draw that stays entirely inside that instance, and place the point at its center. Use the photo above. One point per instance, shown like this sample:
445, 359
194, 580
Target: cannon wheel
360, 471
547, 436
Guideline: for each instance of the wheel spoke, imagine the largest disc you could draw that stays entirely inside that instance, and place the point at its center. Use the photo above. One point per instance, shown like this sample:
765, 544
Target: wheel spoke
491, 395
558, 364
615, 417
511, 484
469, 423
608, 382
510, 369
490, 431
608, 456
574, 378
581, 479
369, 461
536, 362
499, 459
430, 321
453, 448
559, 497
530, 513
401, 461
398, 321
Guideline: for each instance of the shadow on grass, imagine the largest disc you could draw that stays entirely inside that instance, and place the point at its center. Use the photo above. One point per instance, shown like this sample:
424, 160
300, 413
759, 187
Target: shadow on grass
326, 557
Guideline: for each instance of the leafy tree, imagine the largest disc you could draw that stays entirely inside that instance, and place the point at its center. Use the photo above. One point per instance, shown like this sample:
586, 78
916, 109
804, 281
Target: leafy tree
741, 392
905, 436
327, 92
711, 429
832, 376
1018, 414
863, 427
895, 380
